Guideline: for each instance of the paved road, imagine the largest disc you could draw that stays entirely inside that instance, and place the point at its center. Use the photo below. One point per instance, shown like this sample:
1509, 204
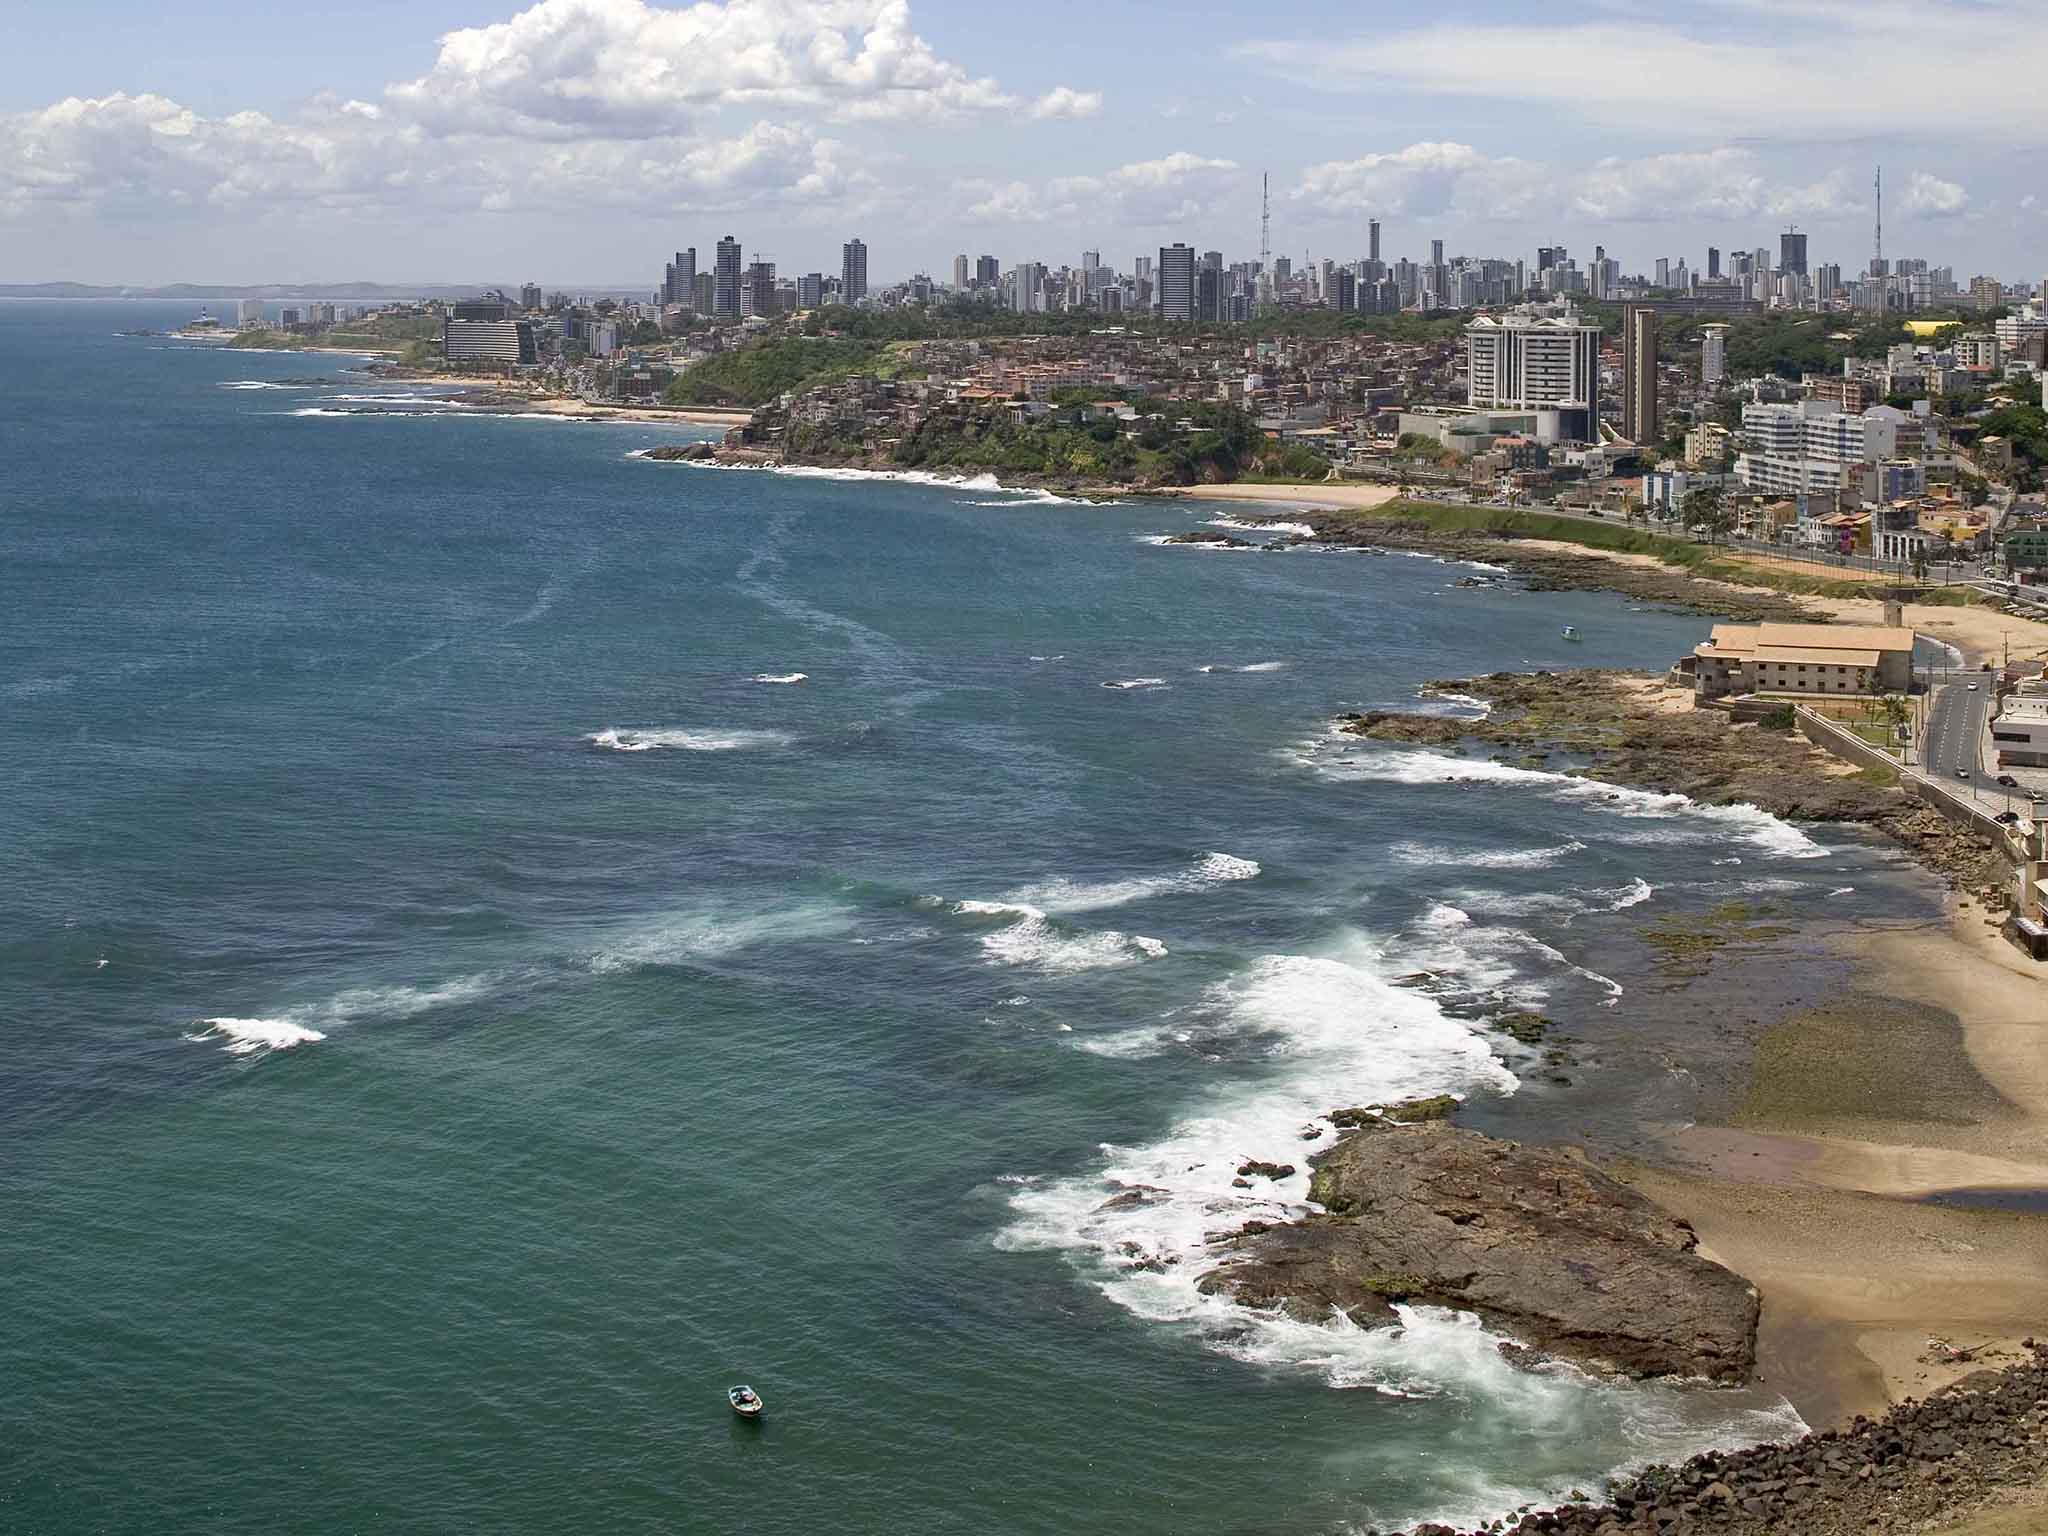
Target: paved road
1954, 737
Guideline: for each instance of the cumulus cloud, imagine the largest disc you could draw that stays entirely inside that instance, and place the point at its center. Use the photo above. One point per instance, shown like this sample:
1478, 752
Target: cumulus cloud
1172, 189
629, 69
1065, 102
588, 101
1931, 195
126, 154
1446, 179
1723, 70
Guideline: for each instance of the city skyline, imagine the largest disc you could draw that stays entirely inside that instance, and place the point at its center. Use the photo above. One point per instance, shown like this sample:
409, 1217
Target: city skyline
493, 137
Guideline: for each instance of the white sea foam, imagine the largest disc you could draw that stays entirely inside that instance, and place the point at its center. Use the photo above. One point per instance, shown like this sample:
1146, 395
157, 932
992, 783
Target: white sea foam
1634, 894
255, 1037
623, 739
1139, 682
711, 932
1207, 872
1699, 822
309, 1022
1427, 854
1027, 936
781, 677
257, 384
1306, 1033
1300, 530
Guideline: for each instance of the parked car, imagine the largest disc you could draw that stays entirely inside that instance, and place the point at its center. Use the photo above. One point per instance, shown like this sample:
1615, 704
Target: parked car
1962, 773
2008, 781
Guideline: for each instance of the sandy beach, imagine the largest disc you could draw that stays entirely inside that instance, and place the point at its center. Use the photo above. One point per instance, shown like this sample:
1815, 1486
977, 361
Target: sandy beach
1931, 1076
1339, 497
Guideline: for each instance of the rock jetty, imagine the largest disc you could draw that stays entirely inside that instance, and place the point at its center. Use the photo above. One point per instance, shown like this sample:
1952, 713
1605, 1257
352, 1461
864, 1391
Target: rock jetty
1921, 1462
1536, 1241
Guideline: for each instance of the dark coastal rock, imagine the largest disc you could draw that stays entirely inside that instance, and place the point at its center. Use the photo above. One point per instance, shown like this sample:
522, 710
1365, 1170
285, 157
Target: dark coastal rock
1536, 1242
1258, 1170
1210, 538
1906, 1473
683, 452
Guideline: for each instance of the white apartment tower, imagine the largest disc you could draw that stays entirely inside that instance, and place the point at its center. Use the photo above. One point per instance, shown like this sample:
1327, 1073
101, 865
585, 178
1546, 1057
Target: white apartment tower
1527, 360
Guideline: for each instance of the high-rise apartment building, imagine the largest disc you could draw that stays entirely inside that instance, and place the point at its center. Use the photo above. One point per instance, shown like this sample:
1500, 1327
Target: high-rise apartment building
1176, 286
1792, 252
1436, 253
1028, 287
725, 293
1090, 260
681, 284
1714, 355
961, 273
853, 271
1639, 373
1529, 360
249, 312
1372, 240
530, 296
760, 289
987, 272
1713, 261
810, 291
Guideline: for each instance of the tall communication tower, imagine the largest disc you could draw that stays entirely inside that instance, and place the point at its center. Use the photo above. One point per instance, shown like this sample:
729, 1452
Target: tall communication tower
1266, 232
1877, 253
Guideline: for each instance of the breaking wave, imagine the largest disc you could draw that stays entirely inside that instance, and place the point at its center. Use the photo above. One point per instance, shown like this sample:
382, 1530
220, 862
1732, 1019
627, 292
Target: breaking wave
1029, 937
306, 1024
1428, 855
781, 677
1139, 682
622, 739
1211, 870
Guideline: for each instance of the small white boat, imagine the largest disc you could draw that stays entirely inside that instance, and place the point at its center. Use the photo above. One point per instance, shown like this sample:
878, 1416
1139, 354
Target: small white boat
746, 1402
1570, 632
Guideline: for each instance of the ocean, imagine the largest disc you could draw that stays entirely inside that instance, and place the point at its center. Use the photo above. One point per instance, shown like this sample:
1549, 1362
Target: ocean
501, 938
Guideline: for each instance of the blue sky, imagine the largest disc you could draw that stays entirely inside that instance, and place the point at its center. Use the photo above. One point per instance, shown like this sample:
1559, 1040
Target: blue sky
576, 141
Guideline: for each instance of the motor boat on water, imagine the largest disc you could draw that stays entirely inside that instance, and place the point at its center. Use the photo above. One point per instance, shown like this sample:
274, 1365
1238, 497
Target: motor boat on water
1571, 632
746, 1402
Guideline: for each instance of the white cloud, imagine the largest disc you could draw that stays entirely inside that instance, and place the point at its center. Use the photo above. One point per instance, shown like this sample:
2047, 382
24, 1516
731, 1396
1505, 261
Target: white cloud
1426, 178
1456, 180
1931, 195
1066, 102
1721, 71
129, 154
1173, 189
567, 68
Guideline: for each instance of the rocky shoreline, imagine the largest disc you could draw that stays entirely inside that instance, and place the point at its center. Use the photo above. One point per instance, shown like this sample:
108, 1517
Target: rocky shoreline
1556, 570
1535, 1241
1956, 1451
1608, 722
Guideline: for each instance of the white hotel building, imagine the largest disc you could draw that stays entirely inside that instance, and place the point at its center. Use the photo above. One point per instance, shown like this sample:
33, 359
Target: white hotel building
1810, 445
1530, 361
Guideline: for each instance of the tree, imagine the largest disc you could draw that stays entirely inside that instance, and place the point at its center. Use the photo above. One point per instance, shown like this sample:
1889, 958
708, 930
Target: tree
1706, 507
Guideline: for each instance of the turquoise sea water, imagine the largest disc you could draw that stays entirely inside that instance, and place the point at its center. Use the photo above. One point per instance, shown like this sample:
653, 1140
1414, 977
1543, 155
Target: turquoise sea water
456, 1016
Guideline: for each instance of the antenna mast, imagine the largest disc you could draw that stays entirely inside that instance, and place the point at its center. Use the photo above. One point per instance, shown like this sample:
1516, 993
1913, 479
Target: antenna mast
1266, 231
1877, 257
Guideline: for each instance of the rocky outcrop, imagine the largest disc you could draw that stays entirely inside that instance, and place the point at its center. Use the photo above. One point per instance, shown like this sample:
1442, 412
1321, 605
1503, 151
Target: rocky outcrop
1922, 1460
687, 453
1535, 1241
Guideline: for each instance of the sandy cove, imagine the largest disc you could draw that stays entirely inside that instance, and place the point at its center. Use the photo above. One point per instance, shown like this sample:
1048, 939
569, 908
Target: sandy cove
1335, 497
1931, 1076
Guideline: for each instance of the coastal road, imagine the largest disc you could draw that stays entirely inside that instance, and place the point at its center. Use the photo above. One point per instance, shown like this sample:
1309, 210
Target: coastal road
1955, 730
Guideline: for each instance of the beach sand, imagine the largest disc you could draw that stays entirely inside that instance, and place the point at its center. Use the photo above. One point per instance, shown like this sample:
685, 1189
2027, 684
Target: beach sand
1981, 634
1931, 1076
1357, 498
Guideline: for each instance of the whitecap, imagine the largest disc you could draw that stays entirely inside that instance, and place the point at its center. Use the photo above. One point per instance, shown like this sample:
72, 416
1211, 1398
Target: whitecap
1139, 683
623, 739
255, 1037
1211, 870
1031, 938
1299, 530
781, 677
1429, 855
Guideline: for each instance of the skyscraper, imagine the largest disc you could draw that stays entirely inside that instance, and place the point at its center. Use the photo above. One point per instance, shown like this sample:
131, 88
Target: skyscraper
725, 291
1090, 260
1436, 253
760, 289
1713, 261
1639, 373
1714, 355
810, 291
853, 271
960, 272
1792, 252
1525, 360
1176, 282
987, 271
1029, 280
1372, 240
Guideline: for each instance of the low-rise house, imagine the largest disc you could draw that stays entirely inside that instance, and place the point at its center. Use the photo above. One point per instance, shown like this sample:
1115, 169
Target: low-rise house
2019, 732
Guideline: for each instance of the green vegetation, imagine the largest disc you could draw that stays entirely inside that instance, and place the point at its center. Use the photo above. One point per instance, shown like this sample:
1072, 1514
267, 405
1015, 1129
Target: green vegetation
1698, 559
756, 374
1783, 718
1177, 443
